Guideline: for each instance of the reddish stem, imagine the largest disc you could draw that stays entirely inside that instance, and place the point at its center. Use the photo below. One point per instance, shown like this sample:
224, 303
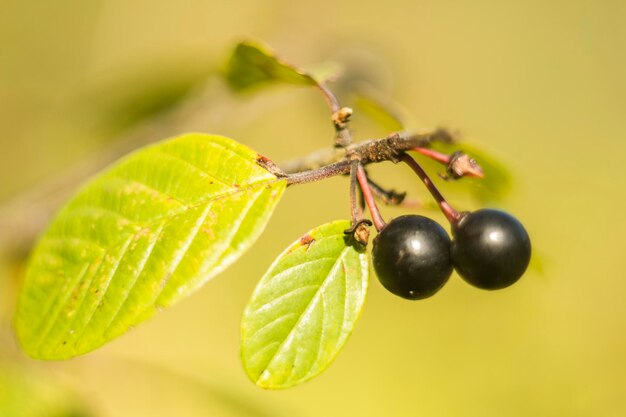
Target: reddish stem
357, 212
451, 214
361, 176
458, 164
437, 156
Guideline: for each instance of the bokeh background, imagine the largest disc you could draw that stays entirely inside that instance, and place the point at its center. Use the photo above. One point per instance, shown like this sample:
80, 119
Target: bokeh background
540, 85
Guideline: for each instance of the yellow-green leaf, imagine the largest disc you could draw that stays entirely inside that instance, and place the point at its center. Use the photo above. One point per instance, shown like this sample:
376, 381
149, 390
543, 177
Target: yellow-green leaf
304, 308
137, 238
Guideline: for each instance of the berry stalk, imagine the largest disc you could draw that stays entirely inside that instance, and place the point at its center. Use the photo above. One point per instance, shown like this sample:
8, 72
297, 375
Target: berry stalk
451, 214
457, 165
356, 209
379, 223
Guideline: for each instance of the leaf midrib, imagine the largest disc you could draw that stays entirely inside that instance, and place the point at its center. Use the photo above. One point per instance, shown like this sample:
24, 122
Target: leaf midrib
304, 312
161, 221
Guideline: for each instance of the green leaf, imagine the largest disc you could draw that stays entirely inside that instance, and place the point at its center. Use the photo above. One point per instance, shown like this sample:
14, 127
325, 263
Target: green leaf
324, 72
390, 115
139, 237
304, 308
253, 64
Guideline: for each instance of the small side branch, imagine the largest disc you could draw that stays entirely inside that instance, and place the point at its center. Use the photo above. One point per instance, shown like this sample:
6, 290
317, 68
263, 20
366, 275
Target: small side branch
338, 168
371, 151
340, 117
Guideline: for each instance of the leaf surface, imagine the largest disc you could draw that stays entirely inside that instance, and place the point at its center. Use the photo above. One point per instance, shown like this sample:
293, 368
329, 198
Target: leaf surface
253, 64
388, 114
304, 308
137, 238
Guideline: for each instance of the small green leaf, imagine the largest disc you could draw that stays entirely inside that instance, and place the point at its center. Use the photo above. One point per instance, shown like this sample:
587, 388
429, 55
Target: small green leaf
139, 237
390, 115
304, 308
324, 72
379, 114
253, 64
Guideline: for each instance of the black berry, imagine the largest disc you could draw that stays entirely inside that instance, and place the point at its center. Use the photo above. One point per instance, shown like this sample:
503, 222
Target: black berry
411, 257
490, 249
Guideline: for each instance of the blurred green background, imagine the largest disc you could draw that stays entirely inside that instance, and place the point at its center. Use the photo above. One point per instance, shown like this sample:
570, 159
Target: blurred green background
540, 85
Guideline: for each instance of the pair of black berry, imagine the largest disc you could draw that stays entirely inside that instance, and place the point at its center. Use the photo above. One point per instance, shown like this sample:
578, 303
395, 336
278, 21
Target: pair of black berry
414, 256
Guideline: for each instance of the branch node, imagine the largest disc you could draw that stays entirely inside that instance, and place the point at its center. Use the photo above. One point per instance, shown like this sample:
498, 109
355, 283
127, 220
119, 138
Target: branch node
462, 165
341, 118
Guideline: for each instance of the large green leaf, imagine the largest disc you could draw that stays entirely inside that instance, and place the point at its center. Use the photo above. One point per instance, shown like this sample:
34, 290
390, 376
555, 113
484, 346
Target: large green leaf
304, 308
253, 64
139, 237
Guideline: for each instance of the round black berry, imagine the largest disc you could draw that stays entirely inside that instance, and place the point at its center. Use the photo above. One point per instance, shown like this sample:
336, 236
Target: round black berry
490, 249
411, 257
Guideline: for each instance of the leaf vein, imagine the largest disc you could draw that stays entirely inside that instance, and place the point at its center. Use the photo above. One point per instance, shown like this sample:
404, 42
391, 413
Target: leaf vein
90, 207
64, 240
212, 198
195, 167
304, 313
145, 259
345, 299
62, 297
234, 229
165, 196
271, 322
184, 249
102, 293
300, 265
270, 304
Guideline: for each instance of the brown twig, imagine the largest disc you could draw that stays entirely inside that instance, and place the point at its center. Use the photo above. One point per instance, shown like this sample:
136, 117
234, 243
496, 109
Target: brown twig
387, 149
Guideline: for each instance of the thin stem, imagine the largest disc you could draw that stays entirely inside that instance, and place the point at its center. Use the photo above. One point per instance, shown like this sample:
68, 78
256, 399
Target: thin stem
340, 117
338, 168
391, 197
432, 154
457, 165
333, 103
359, 228
379, 223
451, 214
357, 212
361, 200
